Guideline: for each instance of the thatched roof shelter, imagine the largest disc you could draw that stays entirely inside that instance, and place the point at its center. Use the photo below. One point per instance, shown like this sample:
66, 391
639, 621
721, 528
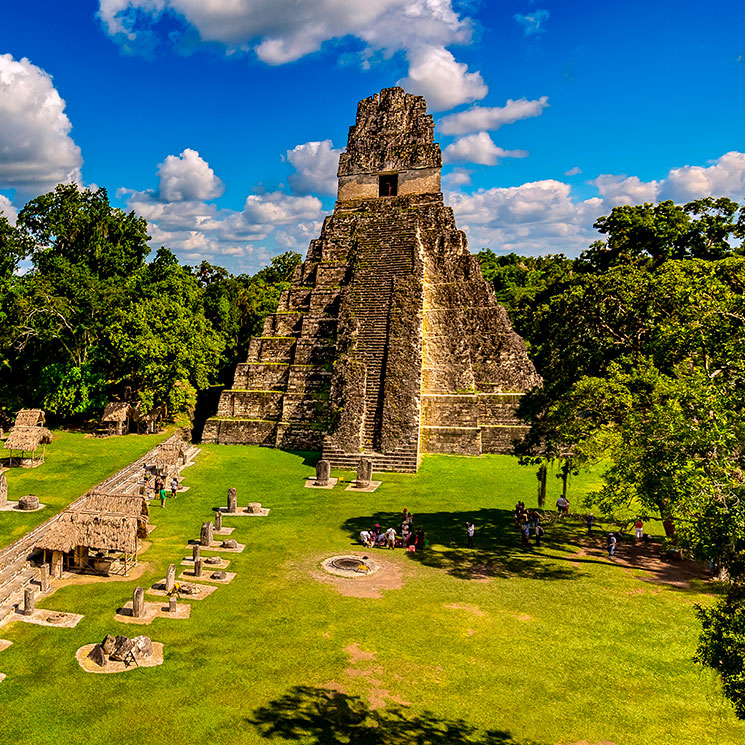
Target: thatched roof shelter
122, 504
27, 439
171, 454
30, 418
96, 530
116, 411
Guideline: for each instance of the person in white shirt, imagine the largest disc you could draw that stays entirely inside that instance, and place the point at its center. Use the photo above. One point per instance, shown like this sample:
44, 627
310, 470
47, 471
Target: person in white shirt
470, 531
390, 538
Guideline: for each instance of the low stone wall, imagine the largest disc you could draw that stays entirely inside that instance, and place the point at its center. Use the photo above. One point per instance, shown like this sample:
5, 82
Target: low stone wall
451, 440
239, 432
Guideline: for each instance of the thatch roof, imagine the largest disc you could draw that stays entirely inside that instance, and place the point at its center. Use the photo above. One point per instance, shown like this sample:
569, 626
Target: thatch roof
96, 530
116, 411
170, 454
122, 504
27, 439
30, 418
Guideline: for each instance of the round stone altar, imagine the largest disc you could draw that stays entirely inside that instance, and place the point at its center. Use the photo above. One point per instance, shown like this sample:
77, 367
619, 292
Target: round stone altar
350, 566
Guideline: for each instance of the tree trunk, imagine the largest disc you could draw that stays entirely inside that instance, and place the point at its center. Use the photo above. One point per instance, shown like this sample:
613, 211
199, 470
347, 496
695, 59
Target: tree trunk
542, 474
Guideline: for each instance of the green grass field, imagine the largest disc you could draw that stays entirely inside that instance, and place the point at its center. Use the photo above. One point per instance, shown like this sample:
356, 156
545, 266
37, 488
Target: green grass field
547, 649
74, 463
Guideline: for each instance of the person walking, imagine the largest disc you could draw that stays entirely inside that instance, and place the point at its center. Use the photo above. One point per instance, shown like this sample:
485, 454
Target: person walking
539, 531
163, 496
611, 545
638, 529
590, 520
174, 487
469, 532
525, 534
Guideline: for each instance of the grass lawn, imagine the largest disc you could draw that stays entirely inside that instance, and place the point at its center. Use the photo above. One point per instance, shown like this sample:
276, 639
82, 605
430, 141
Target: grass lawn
546, 648
74, 463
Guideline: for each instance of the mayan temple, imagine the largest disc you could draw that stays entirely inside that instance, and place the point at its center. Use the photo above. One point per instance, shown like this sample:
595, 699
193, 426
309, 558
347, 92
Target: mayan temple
389, 342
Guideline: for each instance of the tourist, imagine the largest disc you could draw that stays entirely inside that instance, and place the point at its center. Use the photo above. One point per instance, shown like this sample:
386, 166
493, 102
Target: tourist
174, 487
534, 518
390, 538
590, 520
405, 515
419, 539
562, 505
638, 529
611, 545
366, 538
163, 496
539, 531
469, 532
525, 534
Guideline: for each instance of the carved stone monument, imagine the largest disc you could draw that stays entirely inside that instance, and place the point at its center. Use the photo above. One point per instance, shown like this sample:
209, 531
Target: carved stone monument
232, 500
205, 537
138, 603
389, 342
323, 472
218, 520
170, 578
364, 473
3, 491
198, 565
172, 604
196, 552
28, 601
29, 502
44, 577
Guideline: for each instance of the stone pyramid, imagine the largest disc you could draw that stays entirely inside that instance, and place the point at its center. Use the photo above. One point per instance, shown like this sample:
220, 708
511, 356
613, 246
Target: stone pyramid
389, 342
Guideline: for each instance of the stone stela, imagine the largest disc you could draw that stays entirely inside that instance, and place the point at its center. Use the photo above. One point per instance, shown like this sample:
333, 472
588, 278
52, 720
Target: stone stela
389, 343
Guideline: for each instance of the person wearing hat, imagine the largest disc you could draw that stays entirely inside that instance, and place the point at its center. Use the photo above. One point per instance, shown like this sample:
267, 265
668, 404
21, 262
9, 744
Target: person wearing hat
611, 545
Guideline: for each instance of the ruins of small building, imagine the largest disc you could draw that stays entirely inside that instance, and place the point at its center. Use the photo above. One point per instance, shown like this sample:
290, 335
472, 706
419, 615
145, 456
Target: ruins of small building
97, 542
389, 343
169, 459
148, 422
23, 442
117, 417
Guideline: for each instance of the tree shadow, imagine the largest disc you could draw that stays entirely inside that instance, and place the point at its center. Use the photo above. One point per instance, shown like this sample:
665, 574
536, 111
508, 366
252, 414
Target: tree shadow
322, 717
498, 551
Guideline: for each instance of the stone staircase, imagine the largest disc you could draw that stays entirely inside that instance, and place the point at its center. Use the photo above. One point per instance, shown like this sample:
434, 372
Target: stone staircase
386, 251
401, 461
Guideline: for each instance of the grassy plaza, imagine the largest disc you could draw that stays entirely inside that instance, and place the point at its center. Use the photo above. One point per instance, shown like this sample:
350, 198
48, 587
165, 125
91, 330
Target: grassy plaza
496, 644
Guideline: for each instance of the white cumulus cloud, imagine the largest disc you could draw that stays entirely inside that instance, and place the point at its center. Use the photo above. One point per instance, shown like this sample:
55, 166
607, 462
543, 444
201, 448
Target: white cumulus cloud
7, 210
625, 189
480, 118
36, 149
315, 165
478, 148
188, 177
281, 31
435, 74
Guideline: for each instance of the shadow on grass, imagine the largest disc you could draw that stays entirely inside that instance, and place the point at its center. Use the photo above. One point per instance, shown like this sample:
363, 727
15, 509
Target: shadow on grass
497, 553
321, 717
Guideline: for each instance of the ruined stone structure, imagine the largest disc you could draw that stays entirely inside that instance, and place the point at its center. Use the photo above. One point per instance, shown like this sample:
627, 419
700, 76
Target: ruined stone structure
389, 342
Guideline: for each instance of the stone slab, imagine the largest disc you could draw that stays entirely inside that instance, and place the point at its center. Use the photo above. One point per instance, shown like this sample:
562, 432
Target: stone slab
242, 512
152, 611
13, 507
223, 531
373, 486
4, 644
215, 546
204, 591
188, 576
311, 484
40, 617
117, 667
224, 564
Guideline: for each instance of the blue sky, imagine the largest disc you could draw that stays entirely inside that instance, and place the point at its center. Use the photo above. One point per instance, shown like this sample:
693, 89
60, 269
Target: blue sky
221, 120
